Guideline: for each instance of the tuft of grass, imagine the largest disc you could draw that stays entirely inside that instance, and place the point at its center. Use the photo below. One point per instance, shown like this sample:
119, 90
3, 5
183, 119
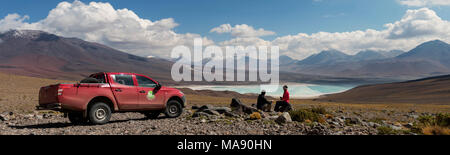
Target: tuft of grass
301, 115
385, 130
319, 110
378, 120
440, 119
435, 130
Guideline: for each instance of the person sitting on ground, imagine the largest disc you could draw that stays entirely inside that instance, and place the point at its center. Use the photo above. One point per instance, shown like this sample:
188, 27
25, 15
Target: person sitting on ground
284, 105
262, 103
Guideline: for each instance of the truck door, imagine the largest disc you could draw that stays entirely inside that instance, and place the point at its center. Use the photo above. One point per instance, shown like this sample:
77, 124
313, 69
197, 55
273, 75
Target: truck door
125, 91
149, 98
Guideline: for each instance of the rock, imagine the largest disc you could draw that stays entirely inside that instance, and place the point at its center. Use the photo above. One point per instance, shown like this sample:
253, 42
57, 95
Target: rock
199, 114
28, 116
354, 120
205, 107
237, 106
3, 118
339, 120
231, 114
47, 116
284, 118
364, 124
409, 125
373, 125
264, 115
395, 127
39, 116
211, 112
194, 107
222, 110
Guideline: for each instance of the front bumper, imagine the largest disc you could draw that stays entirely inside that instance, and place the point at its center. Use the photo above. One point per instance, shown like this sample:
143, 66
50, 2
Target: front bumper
53, 106
184, 101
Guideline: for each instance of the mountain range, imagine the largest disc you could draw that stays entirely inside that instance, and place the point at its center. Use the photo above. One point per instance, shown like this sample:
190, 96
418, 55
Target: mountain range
428, 59
41, 54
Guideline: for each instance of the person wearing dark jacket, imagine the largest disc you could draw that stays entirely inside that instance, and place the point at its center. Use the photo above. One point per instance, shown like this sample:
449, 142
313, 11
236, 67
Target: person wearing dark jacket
262, 103
284, 105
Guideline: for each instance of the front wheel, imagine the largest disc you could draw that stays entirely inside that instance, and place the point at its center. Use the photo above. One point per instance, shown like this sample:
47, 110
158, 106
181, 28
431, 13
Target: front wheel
99, 113
173, 109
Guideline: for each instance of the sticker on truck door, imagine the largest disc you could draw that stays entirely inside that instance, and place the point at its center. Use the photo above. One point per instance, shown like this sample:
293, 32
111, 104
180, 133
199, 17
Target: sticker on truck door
150, 95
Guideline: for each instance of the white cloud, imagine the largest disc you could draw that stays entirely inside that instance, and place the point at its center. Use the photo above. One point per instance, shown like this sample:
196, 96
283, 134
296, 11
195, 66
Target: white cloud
12, 21
416, 23
416, 27
124, 30
102, 23
242, 30
224, 28
422, 3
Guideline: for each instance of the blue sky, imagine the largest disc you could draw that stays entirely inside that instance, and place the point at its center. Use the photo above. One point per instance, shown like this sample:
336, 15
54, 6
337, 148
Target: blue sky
281, 16
299, 27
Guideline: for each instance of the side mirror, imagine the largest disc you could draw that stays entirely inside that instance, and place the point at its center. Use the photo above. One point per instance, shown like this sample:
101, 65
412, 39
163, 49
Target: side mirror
158, 86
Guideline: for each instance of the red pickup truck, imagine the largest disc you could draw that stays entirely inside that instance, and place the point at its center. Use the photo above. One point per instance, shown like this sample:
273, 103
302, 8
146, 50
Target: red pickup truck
97, 97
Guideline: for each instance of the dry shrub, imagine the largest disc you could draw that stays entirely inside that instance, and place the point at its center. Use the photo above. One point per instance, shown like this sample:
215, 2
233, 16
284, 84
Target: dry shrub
435, 130
255, 115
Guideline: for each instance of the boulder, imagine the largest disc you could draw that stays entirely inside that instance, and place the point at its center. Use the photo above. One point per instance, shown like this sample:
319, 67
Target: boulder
211, 112
284, 118
194, 107
237, 107
205, 107
230, 114
222, 110
199, 114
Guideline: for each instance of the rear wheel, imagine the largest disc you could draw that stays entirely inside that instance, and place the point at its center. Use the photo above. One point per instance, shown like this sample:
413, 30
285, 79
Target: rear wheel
77, 118
99, 113
173, 109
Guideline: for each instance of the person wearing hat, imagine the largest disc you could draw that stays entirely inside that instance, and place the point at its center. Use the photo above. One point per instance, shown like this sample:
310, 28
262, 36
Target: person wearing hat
262, 103
283, 105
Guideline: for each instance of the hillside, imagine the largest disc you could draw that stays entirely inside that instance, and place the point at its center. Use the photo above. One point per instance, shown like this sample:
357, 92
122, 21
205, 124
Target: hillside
434, 90
40, 54
20, 93
428, 59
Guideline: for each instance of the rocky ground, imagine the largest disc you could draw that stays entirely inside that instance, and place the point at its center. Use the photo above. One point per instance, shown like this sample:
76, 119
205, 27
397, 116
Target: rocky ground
205, 120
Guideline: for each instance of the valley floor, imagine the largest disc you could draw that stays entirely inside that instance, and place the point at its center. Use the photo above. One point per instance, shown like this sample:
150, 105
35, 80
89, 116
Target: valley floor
18, 96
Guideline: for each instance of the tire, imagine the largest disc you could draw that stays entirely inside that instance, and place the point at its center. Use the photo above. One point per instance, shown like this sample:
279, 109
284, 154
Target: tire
152, 114
173, 109
77, 118
90, 80
99, 113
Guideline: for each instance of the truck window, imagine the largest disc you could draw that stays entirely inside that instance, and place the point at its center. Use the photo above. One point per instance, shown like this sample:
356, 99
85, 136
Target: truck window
145, 82
100, 78
123, 79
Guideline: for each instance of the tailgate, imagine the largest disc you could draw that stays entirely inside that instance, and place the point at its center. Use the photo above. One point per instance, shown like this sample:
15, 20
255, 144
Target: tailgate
48, 94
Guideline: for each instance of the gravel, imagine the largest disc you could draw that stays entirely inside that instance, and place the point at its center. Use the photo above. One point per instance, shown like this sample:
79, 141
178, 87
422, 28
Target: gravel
138, 124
